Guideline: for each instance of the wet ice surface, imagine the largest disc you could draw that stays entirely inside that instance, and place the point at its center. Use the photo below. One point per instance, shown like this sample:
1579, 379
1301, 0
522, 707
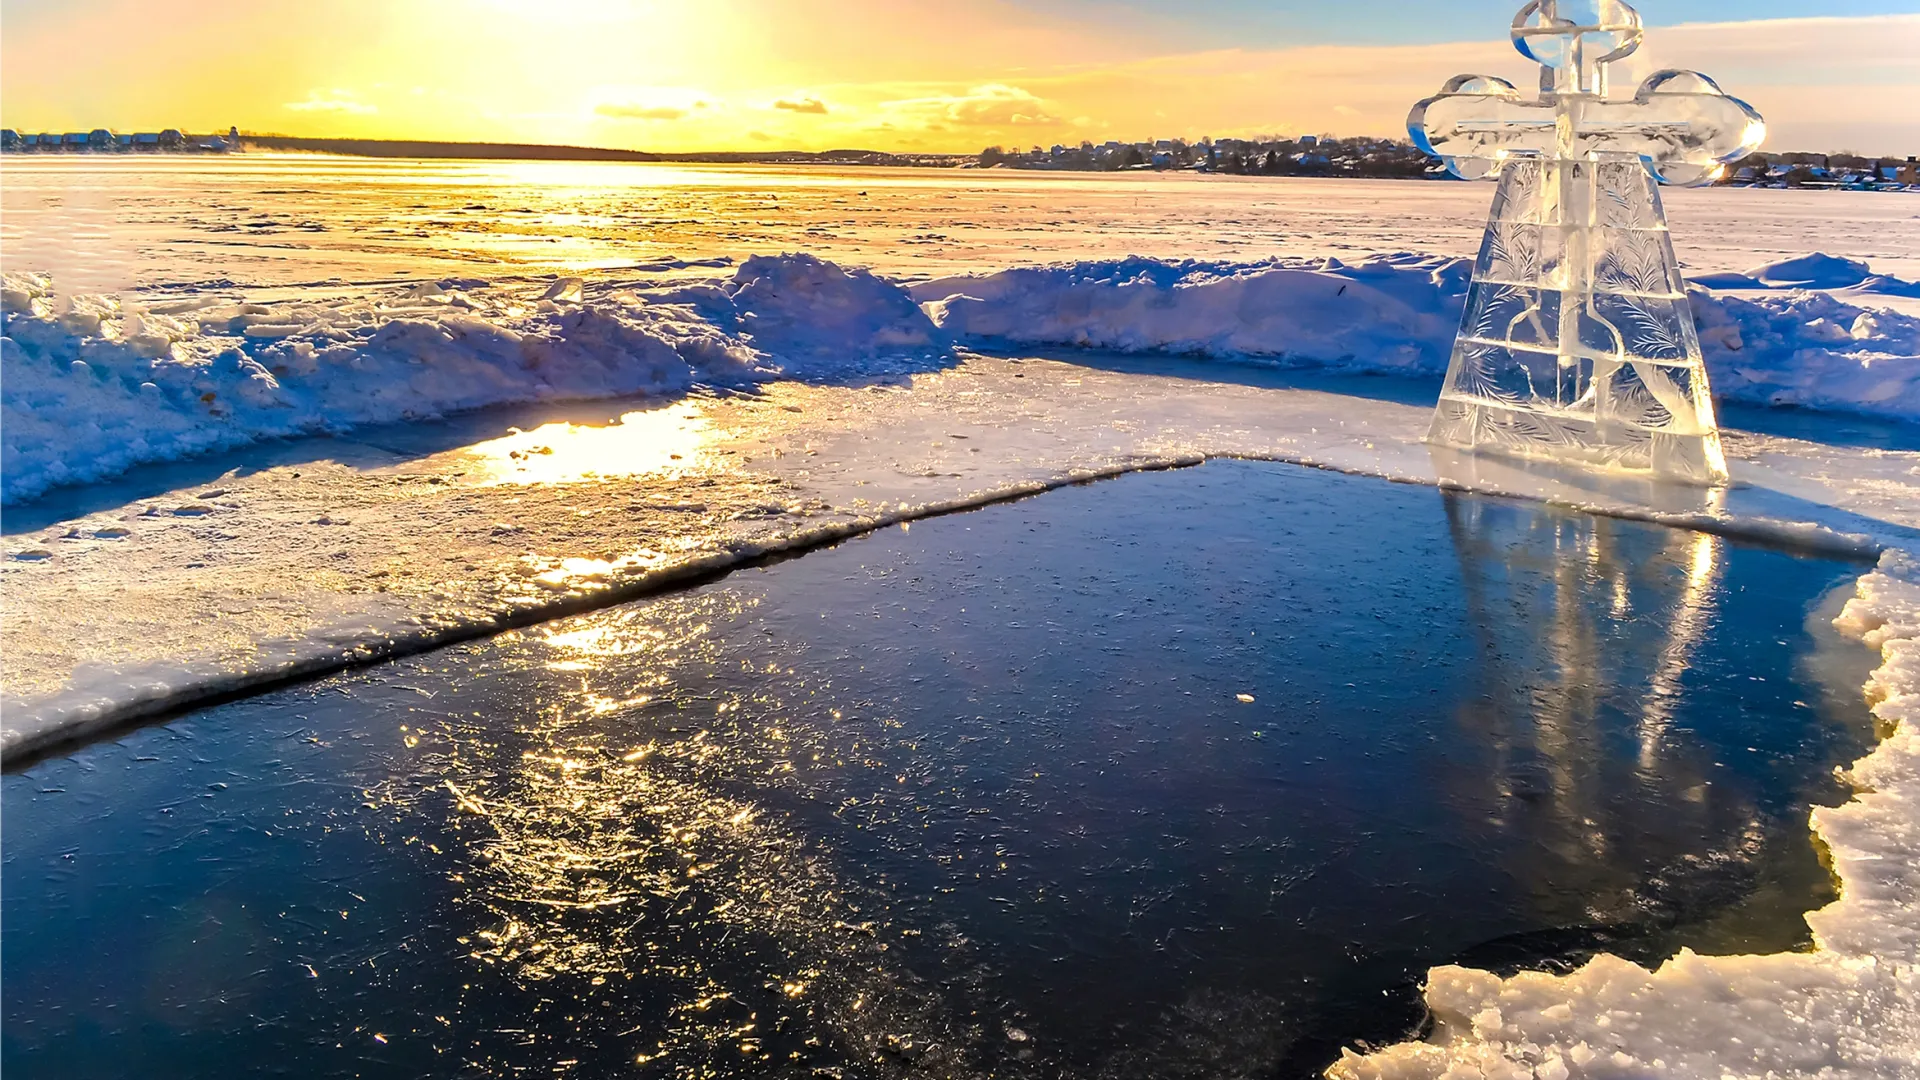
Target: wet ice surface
330, 550
1126, 780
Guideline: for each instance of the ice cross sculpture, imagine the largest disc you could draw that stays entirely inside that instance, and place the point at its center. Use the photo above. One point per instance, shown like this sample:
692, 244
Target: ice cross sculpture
1577, 342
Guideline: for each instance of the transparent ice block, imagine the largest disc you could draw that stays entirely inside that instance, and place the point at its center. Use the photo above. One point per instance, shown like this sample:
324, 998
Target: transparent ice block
1577, 343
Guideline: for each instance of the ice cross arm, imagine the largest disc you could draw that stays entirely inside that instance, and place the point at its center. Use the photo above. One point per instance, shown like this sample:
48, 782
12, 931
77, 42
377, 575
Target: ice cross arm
1680, 124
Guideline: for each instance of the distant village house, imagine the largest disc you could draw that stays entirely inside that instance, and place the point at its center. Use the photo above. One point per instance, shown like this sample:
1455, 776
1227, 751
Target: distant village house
105, 141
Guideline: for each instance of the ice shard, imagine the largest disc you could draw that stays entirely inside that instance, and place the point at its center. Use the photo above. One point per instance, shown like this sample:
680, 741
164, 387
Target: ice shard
1577, 343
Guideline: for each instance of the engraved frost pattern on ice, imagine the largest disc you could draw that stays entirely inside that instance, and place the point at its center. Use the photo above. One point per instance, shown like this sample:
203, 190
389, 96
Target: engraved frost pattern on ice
1577, 342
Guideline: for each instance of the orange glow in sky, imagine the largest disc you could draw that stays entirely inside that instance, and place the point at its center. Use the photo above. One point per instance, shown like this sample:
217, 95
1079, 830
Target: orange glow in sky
898, 75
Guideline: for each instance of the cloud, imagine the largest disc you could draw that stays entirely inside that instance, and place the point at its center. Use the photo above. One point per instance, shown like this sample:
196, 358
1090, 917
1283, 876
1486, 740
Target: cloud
623, 111
652, 103
991, 105
332, 101
802, 105
1822, 83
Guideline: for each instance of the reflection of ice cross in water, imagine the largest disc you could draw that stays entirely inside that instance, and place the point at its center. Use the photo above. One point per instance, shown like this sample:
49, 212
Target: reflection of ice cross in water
1574, 228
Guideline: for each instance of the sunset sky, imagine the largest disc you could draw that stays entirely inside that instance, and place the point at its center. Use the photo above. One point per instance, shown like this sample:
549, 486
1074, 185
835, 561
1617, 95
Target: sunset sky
932, 75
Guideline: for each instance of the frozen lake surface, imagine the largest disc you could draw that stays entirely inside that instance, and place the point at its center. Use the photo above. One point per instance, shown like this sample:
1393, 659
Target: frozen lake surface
747, 404
1186, 773
257, 221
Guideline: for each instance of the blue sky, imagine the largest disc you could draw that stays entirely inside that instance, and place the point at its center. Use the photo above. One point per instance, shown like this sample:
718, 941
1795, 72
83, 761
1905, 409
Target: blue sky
1271, 23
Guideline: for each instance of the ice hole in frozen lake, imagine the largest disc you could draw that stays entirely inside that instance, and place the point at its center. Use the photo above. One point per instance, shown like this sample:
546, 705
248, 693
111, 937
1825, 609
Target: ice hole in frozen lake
1189, 773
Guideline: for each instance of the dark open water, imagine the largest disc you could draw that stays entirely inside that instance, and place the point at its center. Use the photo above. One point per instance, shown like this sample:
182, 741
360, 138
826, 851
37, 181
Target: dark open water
1185, 774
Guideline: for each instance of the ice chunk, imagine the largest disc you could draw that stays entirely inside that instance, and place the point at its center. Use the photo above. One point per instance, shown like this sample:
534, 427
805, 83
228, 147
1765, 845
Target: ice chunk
567, 289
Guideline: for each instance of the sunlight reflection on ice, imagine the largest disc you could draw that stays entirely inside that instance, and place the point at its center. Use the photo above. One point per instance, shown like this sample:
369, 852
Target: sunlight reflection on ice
673, 439
607, 852
691, 833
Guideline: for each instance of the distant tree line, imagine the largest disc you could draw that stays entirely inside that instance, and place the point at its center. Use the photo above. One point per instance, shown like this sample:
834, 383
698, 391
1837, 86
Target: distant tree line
1306, 155
1322, 155
1845, 170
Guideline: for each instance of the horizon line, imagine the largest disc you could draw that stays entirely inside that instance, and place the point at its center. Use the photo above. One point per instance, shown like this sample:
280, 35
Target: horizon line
695, 154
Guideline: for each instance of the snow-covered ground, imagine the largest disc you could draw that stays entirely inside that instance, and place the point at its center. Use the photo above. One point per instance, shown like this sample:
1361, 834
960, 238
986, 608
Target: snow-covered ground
94, 385
792, 400
1398, 313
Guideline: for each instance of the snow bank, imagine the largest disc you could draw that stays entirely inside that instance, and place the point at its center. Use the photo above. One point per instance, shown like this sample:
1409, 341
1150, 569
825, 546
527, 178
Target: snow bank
89, 387
1393, 312
1851, 1008
1398, 313
1816, 271
1811, 349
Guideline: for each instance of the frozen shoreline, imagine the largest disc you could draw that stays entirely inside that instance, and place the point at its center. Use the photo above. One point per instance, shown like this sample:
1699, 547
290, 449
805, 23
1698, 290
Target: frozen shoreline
298, 576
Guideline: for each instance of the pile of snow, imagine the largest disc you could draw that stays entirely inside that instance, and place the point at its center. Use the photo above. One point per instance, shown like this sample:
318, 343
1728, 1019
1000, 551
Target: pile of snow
1816, 271
813, 316
1393, 312
90, 387
1810, 349
1851, 1008
1399, 313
